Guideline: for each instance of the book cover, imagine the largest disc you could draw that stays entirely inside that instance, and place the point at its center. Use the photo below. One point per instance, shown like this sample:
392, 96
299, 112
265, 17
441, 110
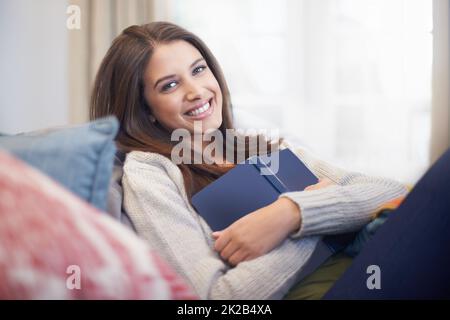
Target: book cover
247, 187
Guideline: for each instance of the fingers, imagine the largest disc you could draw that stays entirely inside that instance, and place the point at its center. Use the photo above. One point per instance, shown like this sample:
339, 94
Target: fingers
222, 239
323, 182
237, 258
229, 250
313, 186
216, 234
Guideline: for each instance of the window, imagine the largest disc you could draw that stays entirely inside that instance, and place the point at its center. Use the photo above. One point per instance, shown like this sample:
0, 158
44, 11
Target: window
349, 79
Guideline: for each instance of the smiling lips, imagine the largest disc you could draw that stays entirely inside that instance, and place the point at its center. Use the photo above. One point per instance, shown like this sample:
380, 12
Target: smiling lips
201, 110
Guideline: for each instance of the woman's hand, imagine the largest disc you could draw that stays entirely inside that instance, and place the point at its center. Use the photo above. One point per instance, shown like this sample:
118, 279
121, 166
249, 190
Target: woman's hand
258, 232
325, 182
262, 230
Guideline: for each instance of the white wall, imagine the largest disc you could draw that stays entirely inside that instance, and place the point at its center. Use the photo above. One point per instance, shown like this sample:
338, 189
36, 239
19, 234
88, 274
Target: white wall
33, 65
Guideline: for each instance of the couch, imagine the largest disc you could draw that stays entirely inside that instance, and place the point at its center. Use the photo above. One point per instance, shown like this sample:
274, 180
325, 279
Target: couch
63, 233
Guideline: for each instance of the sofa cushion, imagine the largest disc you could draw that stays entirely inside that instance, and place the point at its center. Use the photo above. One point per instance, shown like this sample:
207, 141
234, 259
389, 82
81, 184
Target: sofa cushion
55, 246
115, 195
78, 157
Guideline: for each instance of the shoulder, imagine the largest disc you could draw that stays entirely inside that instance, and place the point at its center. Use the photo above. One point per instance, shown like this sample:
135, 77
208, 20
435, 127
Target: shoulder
139, 160
146, 158
148, 171
151, 165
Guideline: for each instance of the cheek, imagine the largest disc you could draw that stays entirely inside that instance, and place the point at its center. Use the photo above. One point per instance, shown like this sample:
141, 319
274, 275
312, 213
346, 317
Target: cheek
169, 113
218, 93
220, 100
166, 106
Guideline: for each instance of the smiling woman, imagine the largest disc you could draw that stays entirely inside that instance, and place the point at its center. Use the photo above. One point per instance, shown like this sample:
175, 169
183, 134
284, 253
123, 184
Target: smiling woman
178, 81
158, 78
180, 88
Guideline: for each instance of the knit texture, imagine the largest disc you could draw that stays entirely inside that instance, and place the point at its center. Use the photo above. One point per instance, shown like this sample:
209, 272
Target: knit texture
157, 203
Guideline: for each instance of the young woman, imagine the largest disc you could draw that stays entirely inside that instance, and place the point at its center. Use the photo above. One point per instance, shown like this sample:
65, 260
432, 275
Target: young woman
157, 78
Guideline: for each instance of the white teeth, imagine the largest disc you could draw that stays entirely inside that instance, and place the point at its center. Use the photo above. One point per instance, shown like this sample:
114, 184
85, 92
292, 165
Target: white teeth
200, 110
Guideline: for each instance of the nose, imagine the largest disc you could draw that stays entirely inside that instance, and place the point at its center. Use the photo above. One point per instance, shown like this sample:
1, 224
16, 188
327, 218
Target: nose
193, 91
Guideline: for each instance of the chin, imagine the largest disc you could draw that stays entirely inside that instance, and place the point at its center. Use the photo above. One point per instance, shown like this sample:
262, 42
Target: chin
212, 123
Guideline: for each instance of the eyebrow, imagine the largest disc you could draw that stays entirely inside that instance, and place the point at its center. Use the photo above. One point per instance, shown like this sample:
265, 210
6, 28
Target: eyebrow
172, 75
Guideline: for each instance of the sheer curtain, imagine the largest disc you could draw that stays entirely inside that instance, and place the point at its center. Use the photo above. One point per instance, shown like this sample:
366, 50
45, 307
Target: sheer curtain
101, 22
350, 79
33, 60
441, 85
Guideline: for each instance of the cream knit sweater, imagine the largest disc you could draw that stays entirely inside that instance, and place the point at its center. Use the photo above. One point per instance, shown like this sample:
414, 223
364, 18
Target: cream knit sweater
156, 201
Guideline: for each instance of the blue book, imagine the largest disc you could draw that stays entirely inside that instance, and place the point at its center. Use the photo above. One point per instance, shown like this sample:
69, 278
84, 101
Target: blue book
245, 189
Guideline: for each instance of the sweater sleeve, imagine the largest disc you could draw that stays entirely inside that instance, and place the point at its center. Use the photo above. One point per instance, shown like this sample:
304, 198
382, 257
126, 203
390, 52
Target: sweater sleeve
344, 207
155, 200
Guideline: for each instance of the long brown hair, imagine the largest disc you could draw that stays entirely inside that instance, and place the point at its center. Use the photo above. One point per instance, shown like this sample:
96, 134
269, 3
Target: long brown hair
119, 91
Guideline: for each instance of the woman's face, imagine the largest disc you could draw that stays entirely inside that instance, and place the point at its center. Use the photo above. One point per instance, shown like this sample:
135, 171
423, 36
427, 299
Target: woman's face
180, 88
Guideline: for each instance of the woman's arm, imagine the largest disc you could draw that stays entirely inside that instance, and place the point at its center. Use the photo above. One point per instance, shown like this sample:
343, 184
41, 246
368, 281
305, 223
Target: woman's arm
258, 232
345, 206
154, 198
341, 202
262, 230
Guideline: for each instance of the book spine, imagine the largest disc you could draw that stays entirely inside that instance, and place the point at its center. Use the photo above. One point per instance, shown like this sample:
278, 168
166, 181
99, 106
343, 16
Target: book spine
271, 178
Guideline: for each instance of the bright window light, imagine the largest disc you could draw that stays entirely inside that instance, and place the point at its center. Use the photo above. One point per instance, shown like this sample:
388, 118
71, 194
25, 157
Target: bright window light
348, 79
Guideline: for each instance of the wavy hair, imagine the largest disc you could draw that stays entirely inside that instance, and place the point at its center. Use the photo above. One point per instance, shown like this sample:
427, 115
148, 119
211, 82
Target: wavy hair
119, 90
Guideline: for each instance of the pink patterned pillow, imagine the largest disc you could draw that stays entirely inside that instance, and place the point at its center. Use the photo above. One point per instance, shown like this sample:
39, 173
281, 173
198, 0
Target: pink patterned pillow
55, 246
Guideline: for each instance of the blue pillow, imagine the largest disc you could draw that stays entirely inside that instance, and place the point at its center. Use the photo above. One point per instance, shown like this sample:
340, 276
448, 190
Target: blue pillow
79, 157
